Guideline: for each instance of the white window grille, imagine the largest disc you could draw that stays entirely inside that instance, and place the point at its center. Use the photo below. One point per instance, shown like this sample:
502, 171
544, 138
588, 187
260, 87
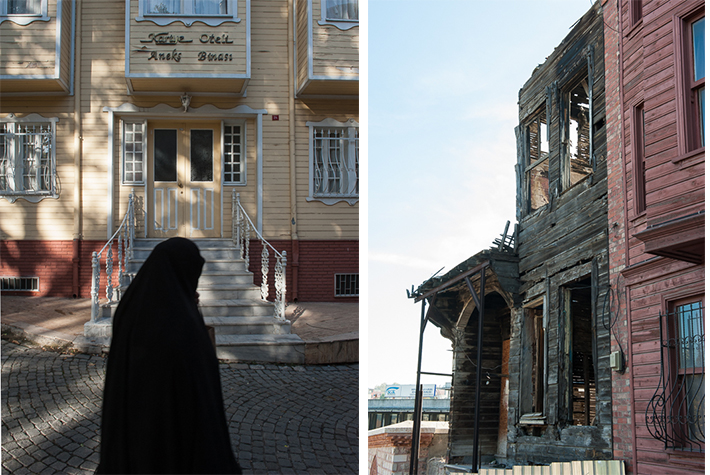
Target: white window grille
234, 157
347, 285
27, 158
134, 147
334, 167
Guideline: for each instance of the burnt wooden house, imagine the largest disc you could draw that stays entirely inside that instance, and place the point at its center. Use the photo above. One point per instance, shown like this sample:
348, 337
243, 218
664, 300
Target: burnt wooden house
527, 318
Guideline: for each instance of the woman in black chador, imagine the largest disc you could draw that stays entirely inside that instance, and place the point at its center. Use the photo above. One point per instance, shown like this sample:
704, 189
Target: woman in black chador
162, 408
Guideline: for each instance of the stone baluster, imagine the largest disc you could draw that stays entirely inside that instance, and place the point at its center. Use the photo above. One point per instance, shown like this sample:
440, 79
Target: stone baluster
280, 286
95, 275
109, 272
264, 271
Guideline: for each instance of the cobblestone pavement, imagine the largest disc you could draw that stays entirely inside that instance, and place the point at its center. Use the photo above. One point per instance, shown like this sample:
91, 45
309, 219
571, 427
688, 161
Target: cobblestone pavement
282, 419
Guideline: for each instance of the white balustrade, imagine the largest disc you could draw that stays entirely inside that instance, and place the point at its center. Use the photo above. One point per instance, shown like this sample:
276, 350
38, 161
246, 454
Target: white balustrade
125, 231
242, 227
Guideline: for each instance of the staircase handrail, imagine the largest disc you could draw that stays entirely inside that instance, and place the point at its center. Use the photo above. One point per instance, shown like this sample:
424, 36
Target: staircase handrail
126, 235
241, 234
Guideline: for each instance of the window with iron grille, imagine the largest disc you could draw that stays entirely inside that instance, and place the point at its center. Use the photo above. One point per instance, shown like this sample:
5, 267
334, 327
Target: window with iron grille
234, 163
347, 285
27, 158
334, 157
676, 413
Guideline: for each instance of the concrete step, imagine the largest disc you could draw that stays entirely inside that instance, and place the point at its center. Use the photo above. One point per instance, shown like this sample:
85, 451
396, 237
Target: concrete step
236, 308
248, 325
212, 277
211, 266
231, 291
263, 348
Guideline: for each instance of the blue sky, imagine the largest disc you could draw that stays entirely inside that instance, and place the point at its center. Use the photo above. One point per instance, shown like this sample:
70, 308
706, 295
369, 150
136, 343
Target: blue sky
443, 78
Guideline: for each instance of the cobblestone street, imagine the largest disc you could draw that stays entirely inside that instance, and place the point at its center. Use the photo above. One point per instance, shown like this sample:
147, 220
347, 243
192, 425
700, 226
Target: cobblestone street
282, 418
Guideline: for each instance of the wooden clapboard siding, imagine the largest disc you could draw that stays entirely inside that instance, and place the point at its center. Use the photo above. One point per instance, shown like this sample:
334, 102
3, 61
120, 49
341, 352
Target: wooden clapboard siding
50, 219
189, 52
335, 52
302, 29
103, 85
30, 49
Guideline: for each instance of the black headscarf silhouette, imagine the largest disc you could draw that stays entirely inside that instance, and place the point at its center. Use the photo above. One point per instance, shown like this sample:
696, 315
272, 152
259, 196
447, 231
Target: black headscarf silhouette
162, 407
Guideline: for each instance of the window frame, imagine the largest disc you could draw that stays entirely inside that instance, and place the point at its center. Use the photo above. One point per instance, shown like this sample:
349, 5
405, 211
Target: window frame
638, 156
565, 121
242, 124
678, 372
144, 161
539, 333
212, 19
33, 196
690, 134
530, 165
25, 18
352, 165
338, 23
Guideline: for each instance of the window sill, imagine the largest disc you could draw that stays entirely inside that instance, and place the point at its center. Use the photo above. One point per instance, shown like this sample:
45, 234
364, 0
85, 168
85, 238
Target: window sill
209, 20
23, 19
31, 197
343, 25
331, 200
688, 157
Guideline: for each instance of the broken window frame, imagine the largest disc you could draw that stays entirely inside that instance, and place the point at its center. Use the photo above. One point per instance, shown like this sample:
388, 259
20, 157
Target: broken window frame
566, 121
535, 349
537, 159
568, 346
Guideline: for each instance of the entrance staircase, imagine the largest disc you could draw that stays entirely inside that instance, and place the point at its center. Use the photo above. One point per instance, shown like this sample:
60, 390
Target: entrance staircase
245, 326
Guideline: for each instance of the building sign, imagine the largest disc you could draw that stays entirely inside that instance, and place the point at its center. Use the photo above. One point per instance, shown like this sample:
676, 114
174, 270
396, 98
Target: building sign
409, 391
210, 53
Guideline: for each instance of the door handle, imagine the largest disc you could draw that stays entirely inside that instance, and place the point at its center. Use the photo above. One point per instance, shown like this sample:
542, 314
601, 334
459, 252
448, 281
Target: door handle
179, 185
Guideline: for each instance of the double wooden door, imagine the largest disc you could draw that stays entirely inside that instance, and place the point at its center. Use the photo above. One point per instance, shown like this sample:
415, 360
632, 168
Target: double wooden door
184, 179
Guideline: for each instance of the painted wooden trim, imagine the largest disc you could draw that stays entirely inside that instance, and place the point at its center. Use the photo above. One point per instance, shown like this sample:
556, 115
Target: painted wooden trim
25, 20
209, 20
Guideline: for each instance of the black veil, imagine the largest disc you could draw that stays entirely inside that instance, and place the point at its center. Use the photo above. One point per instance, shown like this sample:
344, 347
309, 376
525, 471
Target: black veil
162, 407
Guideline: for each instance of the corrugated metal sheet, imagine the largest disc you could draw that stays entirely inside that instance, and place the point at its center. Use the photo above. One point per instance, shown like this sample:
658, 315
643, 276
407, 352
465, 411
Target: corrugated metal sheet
589, 467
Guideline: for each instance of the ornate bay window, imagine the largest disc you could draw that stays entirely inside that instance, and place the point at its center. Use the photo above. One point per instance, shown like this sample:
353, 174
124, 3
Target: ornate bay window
210, 12
28, 158
334, 166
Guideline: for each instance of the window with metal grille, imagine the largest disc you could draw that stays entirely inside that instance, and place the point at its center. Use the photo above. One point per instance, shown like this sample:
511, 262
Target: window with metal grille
27, 158
676, 413
134, 153
234, 164
28, 284
335, 165
347, 285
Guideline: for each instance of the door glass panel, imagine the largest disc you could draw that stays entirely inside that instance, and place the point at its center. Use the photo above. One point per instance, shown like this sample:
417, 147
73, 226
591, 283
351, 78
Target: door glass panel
165, 154
201, 155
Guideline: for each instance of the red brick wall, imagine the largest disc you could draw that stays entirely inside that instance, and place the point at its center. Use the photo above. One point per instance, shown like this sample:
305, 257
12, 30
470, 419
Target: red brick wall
310, 277
51, 261
622, 397
312, 280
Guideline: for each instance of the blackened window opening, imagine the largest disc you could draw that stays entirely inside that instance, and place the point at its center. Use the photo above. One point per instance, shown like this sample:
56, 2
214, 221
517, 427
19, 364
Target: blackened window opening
578, 136
583, 371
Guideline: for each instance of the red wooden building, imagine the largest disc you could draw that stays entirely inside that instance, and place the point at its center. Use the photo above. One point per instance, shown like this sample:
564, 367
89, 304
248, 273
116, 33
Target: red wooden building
655, 92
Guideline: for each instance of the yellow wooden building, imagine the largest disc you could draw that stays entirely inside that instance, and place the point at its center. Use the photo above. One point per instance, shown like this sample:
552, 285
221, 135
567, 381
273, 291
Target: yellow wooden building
183, 104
